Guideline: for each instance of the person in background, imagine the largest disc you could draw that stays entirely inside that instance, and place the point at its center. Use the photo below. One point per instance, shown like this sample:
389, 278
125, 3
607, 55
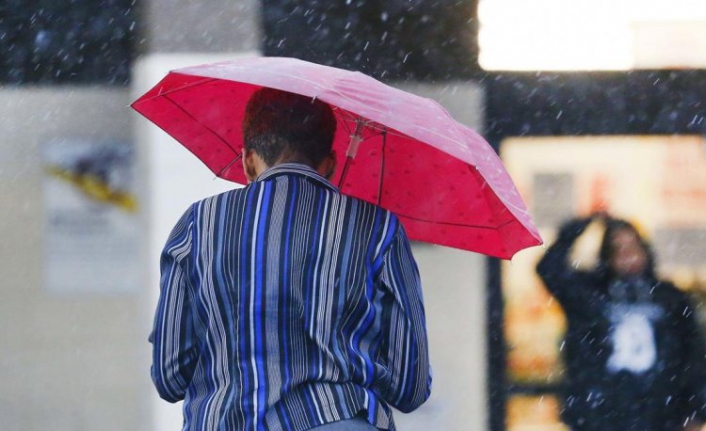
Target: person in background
634, 356
286, 305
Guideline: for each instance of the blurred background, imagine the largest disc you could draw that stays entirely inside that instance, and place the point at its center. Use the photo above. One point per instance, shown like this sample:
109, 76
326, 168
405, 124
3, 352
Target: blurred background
594, 105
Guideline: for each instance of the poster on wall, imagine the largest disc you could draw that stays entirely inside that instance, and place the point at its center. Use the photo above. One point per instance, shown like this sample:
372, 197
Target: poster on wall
656, 182
91, 220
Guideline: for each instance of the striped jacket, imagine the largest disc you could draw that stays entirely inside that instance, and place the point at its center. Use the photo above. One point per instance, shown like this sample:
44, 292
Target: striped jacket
285, 305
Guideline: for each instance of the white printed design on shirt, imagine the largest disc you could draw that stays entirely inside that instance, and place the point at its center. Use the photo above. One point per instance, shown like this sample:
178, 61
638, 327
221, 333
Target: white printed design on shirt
633, 342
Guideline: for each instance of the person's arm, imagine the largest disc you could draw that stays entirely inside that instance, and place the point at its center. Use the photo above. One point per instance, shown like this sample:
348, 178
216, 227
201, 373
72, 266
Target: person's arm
694, 376
405, 382
174, 344
563, 281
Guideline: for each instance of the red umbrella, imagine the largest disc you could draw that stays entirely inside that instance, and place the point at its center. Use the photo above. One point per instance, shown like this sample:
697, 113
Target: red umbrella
400, 151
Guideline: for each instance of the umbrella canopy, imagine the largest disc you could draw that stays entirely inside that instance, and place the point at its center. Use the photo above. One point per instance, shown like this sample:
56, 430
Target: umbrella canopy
398, 150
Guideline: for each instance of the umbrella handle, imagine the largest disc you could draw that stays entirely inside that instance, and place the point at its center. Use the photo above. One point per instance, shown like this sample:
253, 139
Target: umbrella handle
352, 150
356, 139
225, 168
345, 172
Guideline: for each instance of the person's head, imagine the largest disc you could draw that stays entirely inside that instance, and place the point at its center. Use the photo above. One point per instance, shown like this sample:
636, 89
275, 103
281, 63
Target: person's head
623, 252
281, 127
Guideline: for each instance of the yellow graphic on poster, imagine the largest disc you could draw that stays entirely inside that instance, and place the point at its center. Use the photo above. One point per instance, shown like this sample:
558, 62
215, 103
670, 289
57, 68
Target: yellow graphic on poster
95, 187
91, 223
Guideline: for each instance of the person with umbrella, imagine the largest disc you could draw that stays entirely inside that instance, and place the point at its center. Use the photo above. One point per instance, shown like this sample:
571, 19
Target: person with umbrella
286, 305
634, 356
395, 149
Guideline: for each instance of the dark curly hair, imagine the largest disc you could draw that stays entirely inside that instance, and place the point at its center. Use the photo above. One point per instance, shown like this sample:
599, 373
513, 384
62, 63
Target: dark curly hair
281, 126
606, 250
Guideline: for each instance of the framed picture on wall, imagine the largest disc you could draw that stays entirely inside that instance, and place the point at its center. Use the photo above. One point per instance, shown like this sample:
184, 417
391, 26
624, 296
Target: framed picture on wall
656, 182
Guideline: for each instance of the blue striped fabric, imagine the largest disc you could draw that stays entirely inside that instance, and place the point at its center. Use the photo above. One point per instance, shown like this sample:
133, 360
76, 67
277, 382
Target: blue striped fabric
285, 305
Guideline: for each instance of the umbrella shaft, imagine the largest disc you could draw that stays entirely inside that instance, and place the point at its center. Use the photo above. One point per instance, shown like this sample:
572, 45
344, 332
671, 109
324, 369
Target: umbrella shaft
226, 167
349, 159
356, 139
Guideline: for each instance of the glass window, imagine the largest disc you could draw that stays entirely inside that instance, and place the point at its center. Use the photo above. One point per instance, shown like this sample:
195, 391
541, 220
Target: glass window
591, 34
60, 41
656, 182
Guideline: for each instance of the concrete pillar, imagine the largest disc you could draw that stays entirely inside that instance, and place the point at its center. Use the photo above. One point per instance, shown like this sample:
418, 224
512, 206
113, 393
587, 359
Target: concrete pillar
178, 34
196, 26
454, 292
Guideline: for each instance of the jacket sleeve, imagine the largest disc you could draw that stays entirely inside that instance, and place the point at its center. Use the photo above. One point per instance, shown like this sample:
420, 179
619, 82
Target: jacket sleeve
174, 345
406, 383
694, 354
572, 288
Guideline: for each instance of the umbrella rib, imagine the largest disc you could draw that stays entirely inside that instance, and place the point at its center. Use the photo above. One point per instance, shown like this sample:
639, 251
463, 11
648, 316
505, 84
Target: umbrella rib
454, 224
207, 128
316, 84
369, 124
207, 80
455, 141
184, 87
505, 202
382, 166
271, 72
226, 167
345, 123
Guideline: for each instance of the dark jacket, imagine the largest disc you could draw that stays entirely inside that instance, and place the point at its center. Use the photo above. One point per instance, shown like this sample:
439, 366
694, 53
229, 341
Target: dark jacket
633, 353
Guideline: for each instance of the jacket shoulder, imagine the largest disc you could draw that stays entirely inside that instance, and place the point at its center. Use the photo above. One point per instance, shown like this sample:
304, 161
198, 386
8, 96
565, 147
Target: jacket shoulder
222, 195
672, 294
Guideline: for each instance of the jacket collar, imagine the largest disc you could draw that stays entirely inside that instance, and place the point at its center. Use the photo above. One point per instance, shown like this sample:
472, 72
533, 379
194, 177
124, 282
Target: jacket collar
295, 169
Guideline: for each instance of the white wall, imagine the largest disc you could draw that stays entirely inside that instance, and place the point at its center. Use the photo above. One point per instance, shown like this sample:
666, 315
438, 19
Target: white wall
213, 26
454, 282
174, 180
69, 360
454, 292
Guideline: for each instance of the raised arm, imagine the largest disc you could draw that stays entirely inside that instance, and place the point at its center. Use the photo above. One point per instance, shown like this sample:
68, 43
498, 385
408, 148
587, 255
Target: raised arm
174, 351
404, 351
563, 281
